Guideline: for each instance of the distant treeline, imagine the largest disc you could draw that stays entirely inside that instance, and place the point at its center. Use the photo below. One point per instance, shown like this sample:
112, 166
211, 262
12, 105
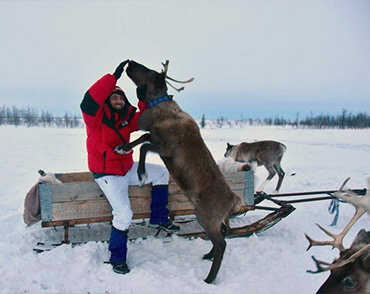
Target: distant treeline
31, 117
344, 120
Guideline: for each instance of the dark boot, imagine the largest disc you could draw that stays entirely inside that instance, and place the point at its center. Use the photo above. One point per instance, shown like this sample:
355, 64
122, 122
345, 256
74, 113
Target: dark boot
118, 250
121, 267
159, 212
168, 226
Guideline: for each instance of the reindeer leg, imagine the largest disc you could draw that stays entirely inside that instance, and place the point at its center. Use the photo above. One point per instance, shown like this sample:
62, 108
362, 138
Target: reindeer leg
281, 175
272, 173
219, 246
216, 231
224, 230
122, 149
144, 138
141, 167
209, 255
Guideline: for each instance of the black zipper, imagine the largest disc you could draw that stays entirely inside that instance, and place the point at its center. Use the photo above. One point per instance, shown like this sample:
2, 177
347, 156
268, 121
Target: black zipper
105, 158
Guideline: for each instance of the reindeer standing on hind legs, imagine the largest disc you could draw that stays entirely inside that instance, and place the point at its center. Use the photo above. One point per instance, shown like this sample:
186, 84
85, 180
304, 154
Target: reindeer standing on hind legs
175, 136
350, 273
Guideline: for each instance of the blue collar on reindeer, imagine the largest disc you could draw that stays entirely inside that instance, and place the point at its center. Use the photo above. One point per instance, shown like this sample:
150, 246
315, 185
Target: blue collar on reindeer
159, 100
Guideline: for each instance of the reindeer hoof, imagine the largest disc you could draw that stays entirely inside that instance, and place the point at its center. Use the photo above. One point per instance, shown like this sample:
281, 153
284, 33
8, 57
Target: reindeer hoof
121, 149
208, 281
208, 256
142, 179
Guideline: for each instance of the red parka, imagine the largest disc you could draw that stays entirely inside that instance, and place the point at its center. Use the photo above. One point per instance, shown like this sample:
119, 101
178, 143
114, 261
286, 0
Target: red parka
101, 128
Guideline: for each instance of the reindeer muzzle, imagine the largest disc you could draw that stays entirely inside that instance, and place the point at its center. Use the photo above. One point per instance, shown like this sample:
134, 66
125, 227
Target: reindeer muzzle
131, 66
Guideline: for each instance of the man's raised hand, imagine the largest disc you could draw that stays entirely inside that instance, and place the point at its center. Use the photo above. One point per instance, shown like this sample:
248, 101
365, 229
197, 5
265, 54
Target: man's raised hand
119, 70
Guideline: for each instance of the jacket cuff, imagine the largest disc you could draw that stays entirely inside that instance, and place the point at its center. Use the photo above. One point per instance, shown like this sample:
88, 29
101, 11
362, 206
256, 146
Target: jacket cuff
142, 106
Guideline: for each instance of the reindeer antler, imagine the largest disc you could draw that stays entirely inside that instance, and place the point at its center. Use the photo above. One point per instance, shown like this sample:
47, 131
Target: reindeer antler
165, 70
362, 204
181, 82
165, 65
319, 266
173, 87
337, 264
338, 238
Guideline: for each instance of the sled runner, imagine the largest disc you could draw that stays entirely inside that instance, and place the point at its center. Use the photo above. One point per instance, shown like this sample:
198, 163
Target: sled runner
79, 200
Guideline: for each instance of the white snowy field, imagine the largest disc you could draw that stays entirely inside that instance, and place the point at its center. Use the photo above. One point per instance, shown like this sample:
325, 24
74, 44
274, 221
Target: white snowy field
274, 261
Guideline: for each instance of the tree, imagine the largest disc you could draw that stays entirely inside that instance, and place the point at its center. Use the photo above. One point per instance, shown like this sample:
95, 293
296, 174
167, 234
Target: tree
67, 120
3, 115
220, 121
16, 116
342, 119
203, 122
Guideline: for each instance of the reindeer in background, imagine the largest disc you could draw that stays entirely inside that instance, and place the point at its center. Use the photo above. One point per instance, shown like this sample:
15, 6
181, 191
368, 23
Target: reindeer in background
350, 273
266, 153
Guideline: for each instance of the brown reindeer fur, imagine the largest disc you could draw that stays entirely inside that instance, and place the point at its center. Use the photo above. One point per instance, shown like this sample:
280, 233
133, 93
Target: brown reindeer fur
266, 153
176, 137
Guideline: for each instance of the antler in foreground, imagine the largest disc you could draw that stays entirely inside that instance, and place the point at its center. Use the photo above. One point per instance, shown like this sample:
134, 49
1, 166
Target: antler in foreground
361, 204
351, 271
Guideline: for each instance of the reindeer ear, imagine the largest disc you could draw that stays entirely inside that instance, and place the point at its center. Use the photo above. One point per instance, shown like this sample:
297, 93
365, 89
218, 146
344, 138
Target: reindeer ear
361, 240
229, 146
141, 92
152, 73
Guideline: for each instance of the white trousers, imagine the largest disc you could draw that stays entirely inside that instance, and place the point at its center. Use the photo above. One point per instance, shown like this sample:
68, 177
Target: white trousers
115, 188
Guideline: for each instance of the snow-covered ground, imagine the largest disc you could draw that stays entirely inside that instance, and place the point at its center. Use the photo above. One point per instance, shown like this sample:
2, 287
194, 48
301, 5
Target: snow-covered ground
274, 261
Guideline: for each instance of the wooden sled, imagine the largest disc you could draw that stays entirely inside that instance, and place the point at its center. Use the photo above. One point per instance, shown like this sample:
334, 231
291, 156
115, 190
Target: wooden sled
79, 200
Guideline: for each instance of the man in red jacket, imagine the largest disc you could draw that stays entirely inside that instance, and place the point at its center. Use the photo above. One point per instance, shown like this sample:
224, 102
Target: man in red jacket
110, 119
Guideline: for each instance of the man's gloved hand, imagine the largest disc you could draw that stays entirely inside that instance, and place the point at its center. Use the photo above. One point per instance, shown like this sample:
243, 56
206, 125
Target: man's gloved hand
119, 70
123, 149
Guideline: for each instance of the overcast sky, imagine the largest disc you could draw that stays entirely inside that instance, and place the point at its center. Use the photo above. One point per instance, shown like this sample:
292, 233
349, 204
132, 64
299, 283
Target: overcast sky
249, 58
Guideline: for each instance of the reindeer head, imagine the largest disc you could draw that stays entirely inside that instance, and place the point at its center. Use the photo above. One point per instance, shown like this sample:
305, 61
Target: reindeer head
150, 84
230, 151
350, 273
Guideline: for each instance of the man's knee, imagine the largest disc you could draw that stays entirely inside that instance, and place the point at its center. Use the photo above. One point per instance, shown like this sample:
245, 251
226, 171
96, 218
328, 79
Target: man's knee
122, 218
158, 174
120, 224
162, 176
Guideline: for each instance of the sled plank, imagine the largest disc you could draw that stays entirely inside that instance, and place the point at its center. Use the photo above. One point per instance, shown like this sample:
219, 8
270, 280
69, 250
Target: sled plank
81, 209
79, 200
75, 177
